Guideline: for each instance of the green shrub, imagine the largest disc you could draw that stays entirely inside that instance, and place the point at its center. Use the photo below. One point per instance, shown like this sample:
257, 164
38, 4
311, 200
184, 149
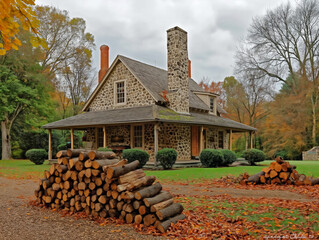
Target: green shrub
62, 146
211, 158
229, 157
136, 154
167, 157
254, 155
104, 149
37, 156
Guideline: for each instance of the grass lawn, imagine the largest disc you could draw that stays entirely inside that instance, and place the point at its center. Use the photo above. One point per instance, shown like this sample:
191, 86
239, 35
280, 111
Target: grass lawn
22, 169
26, 169
309, 168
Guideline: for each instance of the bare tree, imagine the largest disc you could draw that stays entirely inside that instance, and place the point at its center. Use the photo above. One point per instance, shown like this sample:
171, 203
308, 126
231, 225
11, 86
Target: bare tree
285, 43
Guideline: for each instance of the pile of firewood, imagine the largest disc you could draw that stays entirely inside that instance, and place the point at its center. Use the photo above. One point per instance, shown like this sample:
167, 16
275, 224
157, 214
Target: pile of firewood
279, 172
101, 185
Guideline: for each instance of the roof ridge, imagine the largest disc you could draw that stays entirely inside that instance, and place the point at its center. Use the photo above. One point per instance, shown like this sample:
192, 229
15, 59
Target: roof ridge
131, 59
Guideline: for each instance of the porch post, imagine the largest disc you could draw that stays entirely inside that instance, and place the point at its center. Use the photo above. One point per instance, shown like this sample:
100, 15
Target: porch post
201, 139
155, 142
251, 139
72, 138
50, 145
230, 139
104, 136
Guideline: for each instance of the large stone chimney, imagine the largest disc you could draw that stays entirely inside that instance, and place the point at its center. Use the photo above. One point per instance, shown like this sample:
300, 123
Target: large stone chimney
104, 61
177, 69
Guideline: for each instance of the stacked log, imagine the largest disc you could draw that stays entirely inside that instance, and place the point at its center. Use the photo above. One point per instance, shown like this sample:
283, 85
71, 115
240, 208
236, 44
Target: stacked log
279, 172
102, 185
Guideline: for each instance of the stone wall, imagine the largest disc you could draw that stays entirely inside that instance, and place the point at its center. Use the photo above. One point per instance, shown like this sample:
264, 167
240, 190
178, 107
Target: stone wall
177, 70
310, 156
177, 136
212, 138
136, 94
121, 131
149, 140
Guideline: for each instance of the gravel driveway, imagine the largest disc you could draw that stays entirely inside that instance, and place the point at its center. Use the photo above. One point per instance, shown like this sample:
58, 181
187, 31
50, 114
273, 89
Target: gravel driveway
19, 221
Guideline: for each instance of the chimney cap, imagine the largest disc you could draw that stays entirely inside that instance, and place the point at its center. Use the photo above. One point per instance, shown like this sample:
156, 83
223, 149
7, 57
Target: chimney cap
176, 28
104, 46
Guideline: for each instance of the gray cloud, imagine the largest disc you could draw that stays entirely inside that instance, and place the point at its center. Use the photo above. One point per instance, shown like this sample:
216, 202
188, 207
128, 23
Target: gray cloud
137, 29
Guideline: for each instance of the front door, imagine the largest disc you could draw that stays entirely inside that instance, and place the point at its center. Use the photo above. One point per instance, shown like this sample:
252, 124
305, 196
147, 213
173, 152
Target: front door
195, 141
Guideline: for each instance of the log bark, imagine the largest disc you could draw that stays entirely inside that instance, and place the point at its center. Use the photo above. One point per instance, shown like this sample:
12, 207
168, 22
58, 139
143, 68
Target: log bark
170, 211
83, 156
162, 205
119, 164
101, 155
148, 192
141, 182
315, 181
97, 164
162, 196
61, 154
131, 176
74, 152
255, 178
114, 172
164, 226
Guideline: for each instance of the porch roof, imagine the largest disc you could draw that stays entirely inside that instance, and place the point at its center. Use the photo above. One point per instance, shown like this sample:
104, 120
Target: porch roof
152, 113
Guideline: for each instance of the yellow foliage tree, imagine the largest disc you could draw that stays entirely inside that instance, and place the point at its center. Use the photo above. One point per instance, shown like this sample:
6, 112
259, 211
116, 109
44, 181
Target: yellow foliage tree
13, 15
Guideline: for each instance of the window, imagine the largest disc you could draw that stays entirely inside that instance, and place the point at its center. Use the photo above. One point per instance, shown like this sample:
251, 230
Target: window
221, 139
100, 137
138, 136
120, 92
211, 104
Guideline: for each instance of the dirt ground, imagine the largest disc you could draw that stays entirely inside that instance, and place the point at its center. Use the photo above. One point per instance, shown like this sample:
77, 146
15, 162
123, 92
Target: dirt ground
20, 221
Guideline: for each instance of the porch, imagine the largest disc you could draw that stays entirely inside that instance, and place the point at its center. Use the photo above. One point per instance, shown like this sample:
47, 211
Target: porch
188, 140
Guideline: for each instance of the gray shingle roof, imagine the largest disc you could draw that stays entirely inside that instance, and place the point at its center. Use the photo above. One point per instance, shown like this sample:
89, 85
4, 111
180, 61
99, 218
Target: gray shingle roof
150, 113
155, 80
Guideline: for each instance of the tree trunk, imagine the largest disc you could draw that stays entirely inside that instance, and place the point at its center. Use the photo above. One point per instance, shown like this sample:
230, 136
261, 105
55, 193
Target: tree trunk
6, 140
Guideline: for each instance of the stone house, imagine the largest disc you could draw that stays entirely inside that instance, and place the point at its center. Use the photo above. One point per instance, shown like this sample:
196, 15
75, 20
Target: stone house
136, 105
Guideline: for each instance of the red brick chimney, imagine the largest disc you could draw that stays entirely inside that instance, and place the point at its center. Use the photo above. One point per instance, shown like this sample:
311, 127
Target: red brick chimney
189, 68
104, 61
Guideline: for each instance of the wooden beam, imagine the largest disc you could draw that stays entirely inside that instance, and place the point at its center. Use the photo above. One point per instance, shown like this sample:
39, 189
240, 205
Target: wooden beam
104, 136
230, 139
50, 145
251, 139
201, 139
72, 138
155, 142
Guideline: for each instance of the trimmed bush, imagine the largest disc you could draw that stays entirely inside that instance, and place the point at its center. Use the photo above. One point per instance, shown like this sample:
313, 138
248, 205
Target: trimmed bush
211, 158
37, 156
136, 154
104, 149
254, 155
229, 157
167, 157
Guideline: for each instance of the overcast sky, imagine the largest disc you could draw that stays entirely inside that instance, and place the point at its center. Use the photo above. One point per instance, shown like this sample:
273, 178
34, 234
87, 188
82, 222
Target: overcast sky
137, 29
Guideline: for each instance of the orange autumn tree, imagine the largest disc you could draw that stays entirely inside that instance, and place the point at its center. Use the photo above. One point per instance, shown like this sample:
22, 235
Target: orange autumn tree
14, 15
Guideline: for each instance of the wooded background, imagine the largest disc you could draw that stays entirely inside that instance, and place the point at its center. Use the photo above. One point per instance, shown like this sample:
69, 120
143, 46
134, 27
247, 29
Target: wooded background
46, 75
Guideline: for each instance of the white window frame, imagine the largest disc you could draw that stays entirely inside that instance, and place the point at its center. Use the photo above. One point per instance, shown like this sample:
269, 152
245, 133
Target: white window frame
115, 92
